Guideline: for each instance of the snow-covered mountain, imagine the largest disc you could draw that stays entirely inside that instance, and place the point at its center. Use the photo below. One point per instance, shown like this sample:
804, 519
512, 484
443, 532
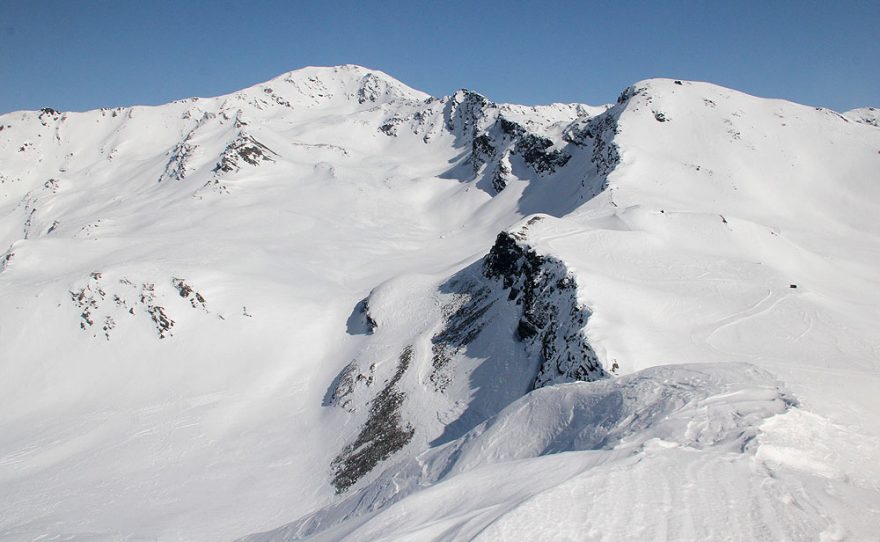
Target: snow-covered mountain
332, 307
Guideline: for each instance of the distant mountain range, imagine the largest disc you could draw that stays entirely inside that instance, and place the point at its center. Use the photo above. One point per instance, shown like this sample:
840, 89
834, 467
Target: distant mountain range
332, 307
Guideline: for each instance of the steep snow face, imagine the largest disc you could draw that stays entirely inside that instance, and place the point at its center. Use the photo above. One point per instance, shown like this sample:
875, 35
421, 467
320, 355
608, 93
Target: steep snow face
335, 298
505, 477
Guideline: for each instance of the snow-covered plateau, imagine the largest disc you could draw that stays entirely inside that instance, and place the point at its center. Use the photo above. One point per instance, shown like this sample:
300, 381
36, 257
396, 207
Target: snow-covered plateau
332, 307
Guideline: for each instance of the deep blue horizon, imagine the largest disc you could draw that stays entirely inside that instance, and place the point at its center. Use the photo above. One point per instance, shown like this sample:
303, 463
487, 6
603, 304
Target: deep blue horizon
78, 55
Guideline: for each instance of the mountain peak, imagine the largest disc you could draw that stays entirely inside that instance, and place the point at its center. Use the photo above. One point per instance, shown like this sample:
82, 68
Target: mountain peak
337, 85
865, 115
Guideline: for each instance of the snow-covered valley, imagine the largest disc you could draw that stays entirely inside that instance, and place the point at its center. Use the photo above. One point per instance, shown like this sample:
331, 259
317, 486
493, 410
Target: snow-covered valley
331, 307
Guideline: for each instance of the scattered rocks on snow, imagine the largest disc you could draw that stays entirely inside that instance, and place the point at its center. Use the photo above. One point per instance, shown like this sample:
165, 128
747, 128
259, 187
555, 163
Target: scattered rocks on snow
383, 434
106, 302
157, 313
464, 318
186, 291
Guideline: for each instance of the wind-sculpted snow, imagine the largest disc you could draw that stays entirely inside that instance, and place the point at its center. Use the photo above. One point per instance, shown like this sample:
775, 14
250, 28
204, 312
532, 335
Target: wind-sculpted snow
706, 409
332, 296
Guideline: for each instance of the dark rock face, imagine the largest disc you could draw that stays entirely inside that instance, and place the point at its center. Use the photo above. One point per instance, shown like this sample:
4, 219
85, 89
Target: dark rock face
507, 261
244, 149
383, 434
187, 292
480, 127
534, 150
552, 320
390, 126
598, 133
6, 258
482, 150
510, 128
499, 177
463, 112
505, 138
48, 114
176, 168
628, 93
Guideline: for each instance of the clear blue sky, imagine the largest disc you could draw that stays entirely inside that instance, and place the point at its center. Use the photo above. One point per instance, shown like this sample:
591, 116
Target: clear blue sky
80, 54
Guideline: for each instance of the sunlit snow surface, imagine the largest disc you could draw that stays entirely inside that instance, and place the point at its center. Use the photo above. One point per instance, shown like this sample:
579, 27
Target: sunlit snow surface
180, 290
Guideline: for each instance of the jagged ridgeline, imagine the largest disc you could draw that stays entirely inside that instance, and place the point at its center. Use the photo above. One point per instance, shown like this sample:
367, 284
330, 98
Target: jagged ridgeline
511, 288
552, 320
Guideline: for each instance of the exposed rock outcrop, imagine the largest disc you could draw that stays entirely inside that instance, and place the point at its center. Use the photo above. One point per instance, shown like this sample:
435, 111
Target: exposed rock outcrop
598, 134
384, 432
103, 303
552, 320
244, 149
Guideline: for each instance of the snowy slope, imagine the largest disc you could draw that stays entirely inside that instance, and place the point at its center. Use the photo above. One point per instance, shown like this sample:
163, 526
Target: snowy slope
330, 297
865, 115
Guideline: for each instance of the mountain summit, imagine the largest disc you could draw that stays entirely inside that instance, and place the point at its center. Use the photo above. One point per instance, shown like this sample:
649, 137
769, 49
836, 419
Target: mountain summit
328, 87
332, 307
